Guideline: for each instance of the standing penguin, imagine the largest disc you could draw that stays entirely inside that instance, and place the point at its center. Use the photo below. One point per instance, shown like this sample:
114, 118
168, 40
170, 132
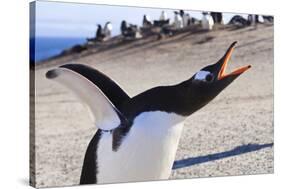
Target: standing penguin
146, 22
238, 20
99, 33
163, 16
129, 30
207, 21
178, 20
137, 137
107, 29
185, 18
217, 17
267, 19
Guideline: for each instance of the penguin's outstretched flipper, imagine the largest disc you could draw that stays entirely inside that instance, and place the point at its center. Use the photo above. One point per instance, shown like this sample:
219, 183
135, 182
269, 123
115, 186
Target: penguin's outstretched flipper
100, 93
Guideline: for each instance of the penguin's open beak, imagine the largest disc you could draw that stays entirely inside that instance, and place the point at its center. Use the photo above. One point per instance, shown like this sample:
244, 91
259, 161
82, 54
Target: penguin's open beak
222, 64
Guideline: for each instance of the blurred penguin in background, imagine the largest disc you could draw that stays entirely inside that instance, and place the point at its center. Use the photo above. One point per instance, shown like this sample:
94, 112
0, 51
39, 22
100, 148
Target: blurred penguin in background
217, 17
99, 33
238, 20
267, 19
130, 31
178, 23
107, 29
124, 27
185, 18
259, 19
163, 16
163, 20
207, 21
251, 19
255, 19
146, 22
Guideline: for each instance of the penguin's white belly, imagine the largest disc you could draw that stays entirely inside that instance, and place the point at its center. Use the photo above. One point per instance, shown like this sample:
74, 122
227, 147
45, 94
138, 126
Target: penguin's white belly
147, 152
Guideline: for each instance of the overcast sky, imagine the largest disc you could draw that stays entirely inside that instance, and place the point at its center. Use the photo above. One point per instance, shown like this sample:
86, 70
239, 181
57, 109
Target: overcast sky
55, 19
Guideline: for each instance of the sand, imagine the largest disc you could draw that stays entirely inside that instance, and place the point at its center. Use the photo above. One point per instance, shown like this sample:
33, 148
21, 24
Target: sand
233, 135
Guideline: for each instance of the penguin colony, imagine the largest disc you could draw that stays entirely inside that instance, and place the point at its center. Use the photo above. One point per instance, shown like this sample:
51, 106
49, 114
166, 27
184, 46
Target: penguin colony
137, 137
181, 21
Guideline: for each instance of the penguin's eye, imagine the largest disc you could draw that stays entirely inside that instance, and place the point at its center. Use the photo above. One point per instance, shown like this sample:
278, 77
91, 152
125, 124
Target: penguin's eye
209, 77
204, 76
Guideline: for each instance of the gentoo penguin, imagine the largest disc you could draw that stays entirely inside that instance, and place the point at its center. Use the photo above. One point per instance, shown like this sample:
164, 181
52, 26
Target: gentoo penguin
268, 19
217, 17
178, 20
163, 20
99, 33
163, 16
146, 22
194, 21
129, 30
252, 19
185, 18
137, 137
240, 21
107, 29
207, 21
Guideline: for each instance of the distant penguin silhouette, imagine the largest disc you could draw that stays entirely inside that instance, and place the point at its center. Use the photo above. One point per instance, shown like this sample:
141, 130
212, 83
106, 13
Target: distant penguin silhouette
129, 30
146, 22
240, 21
178, 23
163, 16
99, 33
268, 19
207, 21
257, 19
163, 20
182, 13
107, 29
194, 21
217, 17
185, 18
123, 27
252, 19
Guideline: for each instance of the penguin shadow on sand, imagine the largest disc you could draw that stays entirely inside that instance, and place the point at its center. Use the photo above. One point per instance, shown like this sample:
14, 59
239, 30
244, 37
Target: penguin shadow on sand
216, 156
204, 40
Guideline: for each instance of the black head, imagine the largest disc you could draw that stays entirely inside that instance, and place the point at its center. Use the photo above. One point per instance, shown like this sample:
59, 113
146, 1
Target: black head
207, 83
123, 24
181, 12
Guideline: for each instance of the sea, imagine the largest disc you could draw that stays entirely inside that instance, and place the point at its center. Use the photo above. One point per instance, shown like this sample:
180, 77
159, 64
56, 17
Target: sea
47, 47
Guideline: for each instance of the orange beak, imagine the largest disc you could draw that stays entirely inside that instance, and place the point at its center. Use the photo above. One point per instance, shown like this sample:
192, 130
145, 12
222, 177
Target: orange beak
238, 71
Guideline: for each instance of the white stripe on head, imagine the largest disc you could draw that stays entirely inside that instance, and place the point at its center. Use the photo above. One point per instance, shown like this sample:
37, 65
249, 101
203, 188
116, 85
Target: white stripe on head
201, 75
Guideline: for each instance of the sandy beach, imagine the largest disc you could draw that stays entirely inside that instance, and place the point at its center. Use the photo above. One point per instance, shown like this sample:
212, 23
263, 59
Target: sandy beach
233, 135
